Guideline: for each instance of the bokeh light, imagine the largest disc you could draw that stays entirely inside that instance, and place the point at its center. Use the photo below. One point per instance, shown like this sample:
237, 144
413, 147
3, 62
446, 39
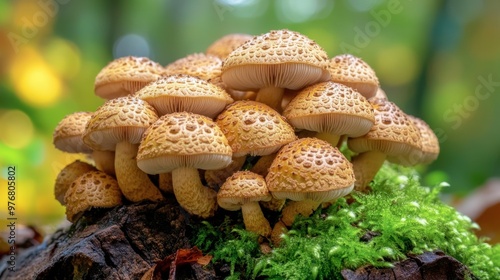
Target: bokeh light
17, 129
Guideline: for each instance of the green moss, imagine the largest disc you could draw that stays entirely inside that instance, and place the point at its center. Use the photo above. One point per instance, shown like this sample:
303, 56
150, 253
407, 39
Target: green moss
399, 217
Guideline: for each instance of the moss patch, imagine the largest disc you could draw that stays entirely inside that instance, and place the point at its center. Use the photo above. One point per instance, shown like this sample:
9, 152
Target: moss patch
399, 217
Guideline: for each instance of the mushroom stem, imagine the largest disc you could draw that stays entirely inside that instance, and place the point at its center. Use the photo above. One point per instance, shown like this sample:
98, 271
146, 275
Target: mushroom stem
165, 182
271, 96
216, 177
254, 219
191, 194
278, 229
366, 166
134, 184
328, 137
104, 161
304, 207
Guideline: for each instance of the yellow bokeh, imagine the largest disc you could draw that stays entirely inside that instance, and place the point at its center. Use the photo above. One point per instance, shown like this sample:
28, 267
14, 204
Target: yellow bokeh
17, 129
396, 65
63, 56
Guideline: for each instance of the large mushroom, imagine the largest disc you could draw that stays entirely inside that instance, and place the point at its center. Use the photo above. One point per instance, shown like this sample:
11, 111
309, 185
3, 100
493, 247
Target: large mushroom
118, 126
182, 143
274, 61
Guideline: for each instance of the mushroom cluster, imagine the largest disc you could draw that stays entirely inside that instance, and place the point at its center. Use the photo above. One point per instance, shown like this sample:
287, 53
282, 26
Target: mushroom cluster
276, 98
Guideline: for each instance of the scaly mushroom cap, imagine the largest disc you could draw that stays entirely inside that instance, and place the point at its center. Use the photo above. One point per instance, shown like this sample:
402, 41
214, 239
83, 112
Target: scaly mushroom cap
183, 139
180, 93
280, 58
253, 128
430, 142
123, 119
126, 75
332, 108
200, 65
352, 71
94, 189
310, 168
240, 188
67, 136
227, 44
393, 134
66, 177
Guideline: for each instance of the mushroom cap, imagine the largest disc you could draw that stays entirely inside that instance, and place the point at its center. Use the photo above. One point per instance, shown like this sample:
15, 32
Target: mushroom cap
94, 189
393, 134
183, 139
279, 58
227, 44
240, 188
67, 136
120, 119
200, 65
352, 71
430, 142
66, 177
332, 108
253, 128
179, 93
126, 75
310, 168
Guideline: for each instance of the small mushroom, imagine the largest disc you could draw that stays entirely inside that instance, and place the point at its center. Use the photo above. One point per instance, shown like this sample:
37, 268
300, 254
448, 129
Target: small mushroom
94, 189
430, 142
66, 177
243, 190
223, 46
182, 143
261, 167
118, 126
274, 61
199, 65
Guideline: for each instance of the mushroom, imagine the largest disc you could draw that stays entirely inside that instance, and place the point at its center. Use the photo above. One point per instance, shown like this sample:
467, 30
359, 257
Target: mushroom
118, 126
181, 143
126, 75
67, 175
200, 65
261, 167
332, 110
243, 190
67, 137
352, 71
430, 142
393, 135
179, 93
227, 44
94, 189
274, 61
308, 171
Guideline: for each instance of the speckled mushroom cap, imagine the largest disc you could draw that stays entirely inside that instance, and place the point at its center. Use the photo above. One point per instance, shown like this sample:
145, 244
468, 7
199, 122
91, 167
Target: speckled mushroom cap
430, 142
253, 128
126, 75
240, 188
393, 134
94, 189
67, 136
332, 108
310, 168
183, 139
352, 71
226, 44
66, 177
279, 58
200, 65
179, 93
121, 119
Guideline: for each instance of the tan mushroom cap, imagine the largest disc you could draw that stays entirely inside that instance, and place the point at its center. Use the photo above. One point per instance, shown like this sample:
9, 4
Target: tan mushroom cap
123, 119
310, 168
126, 75
66, 177
240, 188
279, 58
94, 189
227, 44
200, 65
253, 128
332, 108
393, 134
179, 93
183, 139
67, 136
352, 71
430, 142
